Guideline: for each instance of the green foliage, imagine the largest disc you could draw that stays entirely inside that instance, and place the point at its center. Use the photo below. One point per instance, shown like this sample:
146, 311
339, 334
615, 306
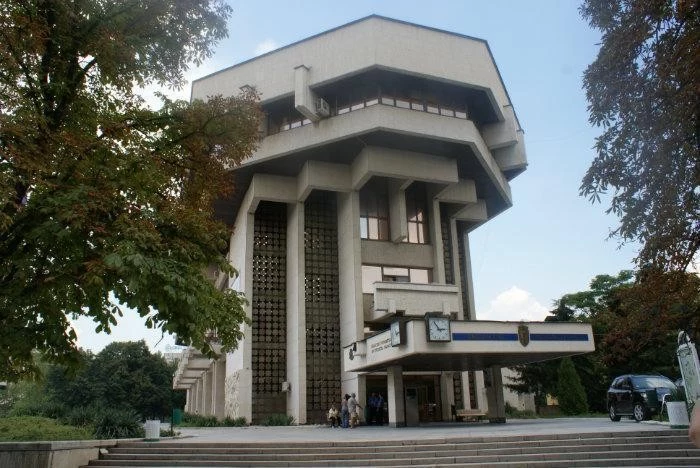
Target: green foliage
196, 420
513, 412
123, 375
234, 422
81, 416
102, 200
28, 428
571, 396
643, 89
279, 420
118, 424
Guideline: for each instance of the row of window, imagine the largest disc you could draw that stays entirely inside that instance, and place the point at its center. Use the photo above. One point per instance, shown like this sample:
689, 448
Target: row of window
288, 123
372, 274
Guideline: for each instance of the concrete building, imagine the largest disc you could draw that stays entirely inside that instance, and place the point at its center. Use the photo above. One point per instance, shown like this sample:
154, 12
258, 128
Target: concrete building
385, 144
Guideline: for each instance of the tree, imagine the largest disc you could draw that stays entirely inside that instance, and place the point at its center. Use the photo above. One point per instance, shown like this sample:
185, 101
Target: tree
102, 200
570, 394
124, 375
643, 89
641, 325
583, 306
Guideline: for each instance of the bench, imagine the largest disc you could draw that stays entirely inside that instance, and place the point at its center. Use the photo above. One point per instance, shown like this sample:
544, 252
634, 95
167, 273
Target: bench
468, 414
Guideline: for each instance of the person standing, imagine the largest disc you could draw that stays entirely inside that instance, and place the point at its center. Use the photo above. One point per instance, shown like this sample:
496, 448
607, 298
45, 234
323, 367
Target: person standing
353, 406
379, 410
372, 409
344, 411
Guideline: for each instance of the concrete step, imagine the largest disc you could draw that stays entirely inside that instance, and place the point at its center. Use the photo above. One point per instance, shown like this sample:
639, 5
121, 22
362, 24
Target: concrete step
656, 448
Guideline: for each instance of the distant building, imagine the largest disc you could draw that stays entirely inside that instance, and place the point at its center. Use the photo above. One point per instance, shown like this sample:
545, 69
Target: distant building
384, 145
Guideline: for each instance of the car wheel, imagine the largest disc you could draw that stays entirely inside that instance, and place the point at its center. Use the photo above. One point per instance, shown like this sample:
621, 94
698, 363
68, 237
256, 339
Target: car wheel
640, 412
613, 413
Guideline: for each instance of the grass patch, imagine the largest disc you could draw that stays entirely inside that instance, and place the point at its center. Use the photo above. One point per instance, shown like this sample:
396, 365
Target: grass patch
32, 428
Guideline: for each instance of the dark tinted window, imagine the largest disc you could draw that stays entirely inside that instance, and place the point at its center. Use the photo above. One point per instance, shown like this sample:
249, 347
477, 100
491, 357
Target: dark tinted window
651, 381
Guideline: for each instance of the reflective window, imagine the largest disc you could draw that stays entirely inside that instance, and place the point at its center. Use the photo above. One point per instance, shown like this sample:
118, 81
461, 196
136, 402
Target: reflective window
372, 274
374, 211
417, 214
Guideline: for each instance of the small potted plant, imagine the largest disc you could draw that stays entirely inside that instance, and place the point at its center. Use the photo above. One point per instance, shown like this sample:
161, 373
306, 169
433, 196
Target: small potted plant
677, 409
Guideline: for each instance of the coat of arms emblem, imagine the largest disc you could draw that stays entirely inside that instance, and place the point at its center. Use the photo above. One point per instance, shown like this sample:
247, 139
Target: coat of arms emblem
523, 334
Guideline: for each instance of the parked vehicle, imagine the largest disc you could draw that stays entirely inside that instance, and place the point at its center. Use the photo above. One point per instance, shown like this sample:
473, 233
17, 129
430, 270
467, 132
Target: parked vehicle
638, 396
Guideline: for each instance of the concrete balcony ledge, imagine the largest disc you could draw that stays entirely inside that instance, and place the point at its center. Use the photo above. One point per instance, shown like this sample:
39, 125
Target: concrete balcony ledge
412, 299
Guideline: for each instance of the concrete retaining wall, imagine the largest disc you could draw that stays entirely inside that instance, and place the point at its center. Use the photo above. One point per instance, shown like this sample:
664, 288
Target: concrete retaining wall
59, 454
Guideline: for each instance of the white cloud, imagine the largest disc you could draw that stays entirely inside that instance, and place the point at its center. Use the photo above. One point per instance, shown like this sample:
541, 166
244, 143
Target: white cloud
265, 46
514, 304
130, 327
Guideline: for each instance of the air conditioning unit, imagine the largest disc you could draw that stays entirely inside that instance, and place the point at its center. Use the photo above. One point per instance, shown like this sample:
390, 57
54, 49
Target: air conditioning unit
322, 108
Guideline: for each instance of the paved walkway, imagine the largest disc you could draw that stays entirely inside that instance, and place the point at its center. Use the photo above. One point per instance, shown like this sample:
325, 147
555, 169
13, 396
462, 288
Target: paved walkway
438, 431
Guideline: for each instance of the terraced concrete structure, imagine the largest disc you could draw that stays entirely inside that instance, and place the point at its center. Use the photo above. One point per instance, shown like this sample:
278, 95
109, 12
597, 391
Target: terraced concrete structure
384, 145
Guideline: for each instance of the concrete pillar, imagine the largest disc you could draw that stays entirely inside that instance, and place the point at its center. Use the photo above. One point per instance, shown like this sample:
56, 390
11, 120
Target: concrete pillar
397, 210
352, 320
447, 394
198, 396
296, 313
480, 397
436, 238
219, 388
493, 382
395, 396
471, 313
207, 384
188, 399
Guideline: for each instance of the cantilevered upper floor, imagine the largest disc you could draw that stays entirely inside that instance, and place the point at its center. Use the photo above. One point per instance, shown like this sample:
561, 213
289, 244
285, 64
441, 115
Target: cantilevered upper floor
379, 82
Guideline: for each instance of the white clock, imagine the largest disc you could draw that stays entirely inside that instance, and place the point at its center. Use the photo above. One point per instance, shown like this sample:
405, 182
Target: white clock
397, 333
437, 328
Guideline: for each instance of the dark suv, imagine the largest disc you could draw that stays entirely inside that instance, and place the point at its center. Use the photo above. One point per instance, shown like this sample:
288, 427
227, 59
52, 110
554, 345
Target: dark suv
638, 396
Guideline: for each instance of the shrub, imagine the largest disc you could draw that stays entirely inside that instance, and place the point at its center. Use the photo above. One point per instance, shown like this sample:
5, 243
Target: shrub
279, 420
81, 416
198, 420
28, 428
571, 395
237, 422
513, 412
118, 424
43, 408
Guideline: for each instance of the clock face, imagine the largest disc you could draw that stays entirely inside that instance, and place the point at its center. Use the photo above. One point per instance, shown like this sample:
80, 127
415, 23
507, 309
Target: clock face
396, 333
438, 329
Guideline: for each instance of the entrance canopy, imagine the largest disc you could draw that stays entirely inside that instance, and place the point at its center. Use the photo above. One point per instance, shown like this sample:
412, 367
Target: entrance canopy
469, 345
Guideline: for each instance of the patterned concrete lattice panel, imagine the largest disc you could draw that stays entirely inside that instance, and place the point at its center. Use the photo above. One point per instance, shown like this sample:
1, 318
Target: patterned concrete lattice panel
322, 309
269, 310
446, 245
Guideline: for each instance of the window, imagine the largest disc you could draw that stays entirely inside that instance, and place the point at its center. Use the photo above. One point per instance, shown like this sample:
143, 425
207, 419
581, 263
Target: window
417, 214
374, 211
372, 274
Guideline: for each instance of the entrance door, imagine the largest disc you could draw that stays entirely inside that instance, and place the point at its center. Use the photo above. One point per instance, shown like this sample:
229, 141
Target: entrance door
426, 391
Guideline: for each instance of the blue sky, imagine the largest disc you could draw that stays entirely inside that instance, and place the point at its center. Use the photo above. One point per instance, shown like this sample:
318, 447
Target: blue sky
552, 241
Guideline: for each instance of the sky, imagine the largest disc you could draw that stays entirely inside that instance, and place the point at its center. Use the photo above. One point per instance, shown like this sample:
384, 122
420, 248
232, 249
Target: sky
552, 241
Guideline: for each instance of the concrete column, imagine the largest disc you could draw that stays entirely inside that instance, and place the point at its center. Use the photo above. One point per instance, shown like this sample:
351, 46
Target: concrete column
352, 320
296, 313
481, 401
397, 210
188, 399
395, 396
471, 313
436, 239
219, 388
447, 394
207, 383
493, 382
199, 398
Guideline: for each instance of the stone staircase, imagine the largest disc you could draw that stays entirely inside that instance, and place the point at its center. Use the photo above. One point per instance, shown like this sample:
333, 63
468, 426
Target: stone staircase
635, 448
